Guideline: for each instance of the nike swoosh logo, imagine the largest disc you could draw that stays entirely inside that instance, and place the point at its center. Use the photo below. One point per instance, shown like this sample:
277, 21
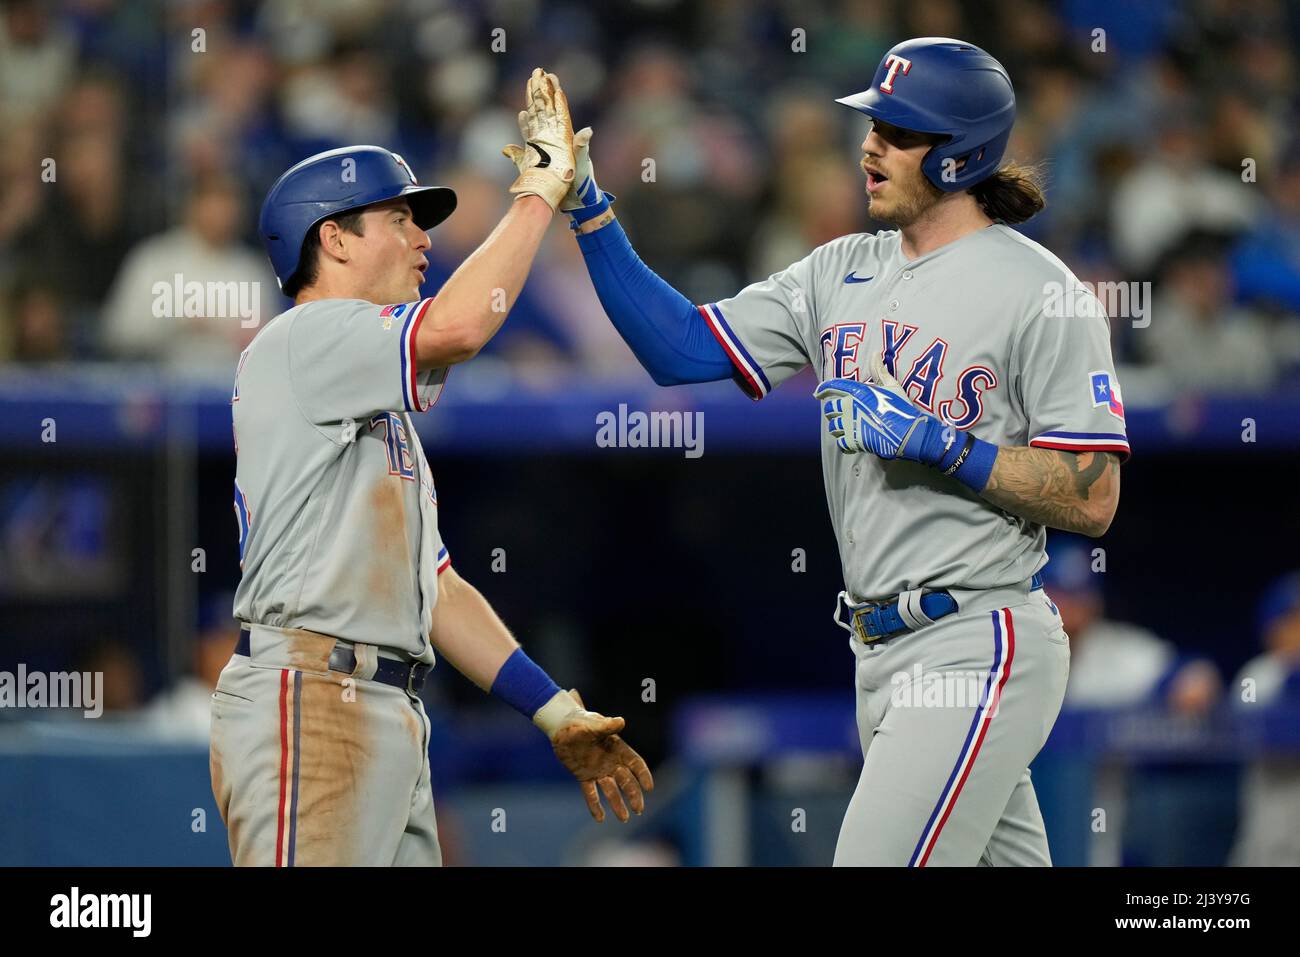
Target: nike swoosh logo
852, 277
545, 156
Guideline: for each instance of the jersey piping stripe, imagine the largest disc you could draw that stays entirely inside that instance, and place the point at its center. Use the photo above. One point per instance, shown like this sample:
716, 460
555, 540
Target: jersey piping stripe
286, 829
284, 767
1004, 651
410, 388
297, 760
1083, 442
1116, 436
758, 386
444, 560
1083, 447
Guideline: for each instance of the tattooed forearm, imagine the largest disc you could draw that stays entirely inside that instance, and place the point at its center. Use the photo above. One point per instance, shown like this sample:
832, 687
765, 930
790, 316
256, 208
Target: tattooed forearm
1075, 491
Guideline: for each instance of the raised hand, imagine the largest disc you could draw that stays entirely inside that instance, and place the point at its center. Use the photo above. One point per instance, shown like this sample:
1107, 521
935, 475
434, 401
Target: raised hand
545, 161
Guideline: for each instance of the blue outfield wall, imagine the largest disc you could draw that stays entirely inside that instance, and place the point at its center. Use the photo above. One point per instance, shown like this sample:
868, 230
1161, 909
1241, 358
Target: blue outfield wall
108, 408
111, 796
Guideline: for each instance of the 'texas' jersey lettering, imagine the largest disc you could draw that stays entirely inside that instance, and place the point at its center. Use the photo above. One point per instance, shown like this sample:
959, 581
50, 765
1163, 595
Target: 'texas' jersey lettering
843, 358
967, 332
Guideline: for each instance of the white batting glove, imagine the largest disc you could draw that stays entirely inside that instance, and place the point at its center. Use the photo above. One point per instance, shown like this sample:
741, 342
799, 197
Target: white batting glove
584, 191
545, 162
561, 709
585, 200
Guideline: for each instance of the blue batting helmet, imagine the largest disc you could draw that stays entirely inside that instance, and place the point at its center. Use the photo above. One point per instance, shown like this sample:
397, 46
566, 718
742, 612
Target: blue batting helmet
949, 87
339, 181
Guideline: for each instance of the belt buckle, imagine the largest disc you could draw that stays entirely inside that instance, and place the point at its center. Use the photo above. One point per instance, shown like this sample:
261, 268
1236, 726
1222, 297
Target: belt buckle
342, 658
415, 678
865, 608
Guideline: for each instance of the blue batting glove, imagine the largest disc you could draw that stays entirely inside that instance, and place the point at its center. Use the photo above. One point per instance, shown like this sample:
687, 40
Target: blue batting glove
879, 417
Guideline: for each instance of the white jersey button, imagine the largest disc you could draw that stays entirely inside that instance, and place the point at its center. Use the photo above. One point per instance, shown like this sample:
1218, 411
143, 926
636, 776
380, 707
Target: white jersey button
907, 275
893, 304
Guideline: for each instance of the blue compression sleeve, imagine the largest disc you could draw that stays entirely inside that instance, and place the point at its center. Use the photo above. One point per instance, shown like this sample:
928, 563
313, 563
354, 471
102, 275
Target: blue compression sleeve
662, 327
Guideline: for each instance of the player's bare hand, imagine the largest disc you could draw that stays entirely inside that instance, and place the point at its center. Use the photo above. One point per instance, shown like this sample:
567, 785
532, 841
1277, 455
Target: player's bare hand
545, 161
587, 743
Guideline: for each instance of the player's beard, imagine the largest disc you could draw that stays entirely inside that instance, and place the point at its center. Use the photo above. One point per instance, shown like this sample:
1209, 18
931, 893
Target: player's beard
911, 198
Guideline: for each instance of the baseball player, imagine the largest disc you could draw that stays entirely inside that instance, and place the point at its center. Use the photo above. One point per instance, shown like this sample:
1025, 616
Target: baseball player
970, 401
1268, 831
319, 748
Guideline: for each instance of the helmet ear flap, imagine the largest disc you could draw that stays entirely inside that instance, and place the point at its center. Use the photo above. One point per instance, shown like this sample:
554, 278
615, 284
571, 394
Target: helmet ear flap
935, 166
968, 167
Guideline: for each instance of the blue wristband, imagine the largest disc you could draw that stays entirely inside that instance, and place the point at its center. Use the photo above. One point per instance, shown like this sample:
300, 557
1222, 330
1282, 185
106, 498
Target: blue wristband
970, 463
523, 685
930, 444
583, 213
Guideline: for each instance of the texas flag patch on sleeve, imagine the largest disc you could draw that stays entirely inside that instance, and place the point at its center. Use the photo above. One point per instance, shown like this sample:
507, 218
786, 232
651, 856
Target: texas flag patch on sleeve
1105, 391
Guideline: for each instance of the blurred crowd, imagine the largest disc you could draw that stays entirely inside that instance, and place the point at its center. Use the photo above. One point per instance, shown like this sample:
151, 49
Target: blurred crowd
140, 137
1116, 666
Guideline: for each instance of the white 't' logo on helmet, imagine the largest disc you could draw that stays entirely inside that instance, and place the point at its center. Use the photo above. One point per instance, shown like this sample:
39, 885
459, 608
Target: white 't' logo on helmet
896, 64
402, 163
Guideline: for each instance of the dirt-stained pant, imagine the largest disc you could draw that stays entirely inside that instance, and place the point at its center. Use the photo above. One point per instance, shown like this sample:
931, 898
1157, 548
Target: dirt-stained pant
949, 718
316, 767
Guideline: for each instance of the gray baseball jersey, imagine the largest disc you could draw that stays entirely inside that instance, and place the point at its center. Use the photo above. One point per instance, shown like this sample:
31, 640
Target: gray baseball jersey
337, 510
991, 333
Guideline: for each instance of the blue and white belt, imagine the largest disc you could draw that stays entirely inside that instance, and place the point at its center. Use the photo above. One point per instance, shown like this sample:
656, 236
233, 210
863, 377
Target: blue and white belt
876, 620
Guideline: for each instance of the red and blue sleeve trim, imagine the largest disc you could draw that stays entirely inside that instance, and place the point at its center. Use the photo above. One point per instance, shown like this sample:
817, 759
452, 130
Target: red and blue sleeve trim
410, 387
750, 374
444, 560
1083, 442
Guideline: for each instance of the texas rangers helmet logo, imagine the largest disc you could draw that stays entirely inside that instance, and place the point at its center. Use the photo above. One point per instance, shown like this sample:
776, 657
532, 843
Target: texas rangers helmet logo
402, 163
1105, 391
896, 64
